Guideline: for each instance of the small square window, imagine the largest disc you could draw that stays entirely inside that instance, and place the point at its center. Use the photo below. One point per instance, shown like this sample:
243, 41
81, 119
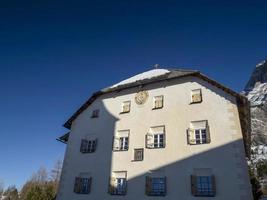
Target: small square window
95, 113
196, 96
138, 154
158, 102
126, 107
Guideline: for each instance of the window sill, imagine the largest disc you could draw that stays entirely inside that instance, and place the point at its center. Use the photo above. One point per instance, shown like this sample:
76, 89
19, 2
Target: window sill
155, 147
94, 117
124, 112
198, 144
197, 102
119, 150
160, 195
157, 108
88, 152
137, 160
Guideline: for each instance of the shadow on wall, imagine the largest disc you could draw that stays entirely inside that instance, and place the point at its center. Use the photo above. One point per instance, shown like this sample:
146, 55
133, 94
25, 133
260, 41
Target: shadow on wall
225, 162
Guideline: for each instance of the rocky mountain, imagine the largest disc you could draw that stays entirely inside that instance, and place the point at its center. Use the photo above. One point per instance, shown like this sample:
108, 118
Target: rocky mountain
256, 91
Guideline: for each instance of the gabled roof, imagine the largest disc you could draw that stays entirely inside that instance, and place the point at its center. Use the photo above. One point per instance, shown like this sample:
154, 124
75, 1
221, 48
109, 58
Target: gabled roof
158, 75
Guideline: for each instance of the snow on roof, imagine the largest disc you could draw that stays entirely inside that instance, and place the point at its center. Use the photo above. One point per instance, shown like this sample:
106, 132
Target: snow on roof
145, 75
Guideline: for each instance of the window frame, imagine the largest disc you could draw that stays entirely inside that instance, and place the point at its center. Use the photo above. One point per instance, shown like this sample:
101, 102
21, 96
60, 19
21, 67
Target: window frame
122, 145
82, 182
150, 186
124, 104
113, 189
95, 113
136, 158
156, 145
200, 140
155, 100
202, 188
90, 146
201, 96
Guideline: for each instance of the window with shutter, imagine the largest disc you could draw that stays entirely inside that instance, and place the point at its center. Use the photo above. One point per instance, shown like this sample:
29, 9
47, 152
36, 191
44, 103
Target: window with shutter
118, 183
126, 107
158, 102
198, 133
121, 141
82, 185
155, 138
203, 183
84, 144
196, 96
156, 186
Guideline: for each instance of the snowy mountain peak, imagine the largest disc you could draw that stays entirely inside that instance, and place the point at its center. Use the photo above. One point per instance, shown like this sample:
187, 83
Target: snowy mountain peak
258, 76
256, 92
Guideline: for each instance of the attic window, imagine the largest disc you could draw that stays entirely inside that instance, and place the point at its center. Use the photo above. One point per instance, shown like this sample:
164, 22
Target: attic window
196, 96
158, 102
126, 107
95, 113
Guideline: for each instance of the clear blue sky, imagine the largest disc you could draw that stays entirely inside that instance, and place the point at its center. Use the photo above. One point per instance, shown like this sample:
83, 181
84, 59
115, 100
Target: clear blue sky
54, 54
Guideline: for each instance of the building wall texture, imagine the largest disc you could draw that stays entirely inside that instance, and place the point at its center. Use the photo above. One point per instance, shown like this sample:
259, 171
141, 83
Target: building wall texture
225, 155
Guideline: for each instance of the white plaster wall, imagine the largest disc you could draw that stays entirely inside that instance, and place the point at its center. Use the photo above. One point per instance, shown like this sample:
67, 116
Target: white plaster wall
224, 155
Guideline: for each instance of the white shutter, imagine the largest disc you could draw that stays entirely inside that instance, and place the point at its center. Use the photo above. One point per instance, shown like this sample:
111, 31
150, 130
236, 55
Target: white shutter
191, 136
116, 143
196, 96
149, 140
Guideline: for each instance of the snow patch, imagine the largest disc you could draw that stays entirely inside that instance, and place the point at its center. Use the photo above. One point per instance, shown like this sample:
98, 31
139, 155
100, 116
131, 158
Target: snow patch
258, 95
145, 75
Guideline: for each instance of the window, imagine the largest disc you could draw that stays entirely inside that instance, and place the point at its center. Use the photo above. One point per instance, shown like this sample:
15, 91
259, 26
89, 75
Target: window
82, 185
158, 102
126, 107
196, 96
138, 154
121, 141
203, 185
118, 183
155, 138
95, 113
88, 146
198, 133
156, 186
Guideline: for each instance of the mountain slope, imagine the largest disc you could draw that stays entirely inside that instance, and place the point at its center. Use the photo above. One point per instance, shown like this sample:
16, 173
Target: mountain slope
256, 91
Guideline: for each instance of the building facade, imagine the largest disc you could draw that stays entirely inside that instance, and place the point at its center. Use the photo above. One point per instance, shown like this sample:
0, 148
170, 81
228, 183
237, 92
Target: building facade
165, 134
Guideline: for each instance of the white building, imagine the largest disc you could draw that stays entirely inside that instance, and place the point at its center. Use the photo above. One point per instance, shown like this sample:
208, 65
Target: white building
162, 134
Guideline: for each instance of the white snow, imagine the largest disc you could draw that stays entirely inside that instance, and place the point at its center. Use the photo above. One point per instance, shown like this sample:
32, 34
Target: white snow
258, 95
262, 63
145, 75
260, 152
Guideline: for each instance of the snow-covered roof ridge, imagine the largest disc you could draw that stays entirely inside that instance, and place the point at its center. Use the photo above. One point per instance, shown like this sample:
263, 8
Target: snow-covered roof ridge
145, 75
148, 75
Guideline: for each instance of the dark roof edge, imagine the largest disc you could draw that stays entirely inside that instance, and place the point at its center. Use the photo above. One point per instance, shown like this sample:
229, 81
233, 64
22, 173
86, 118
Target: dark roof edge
64, 138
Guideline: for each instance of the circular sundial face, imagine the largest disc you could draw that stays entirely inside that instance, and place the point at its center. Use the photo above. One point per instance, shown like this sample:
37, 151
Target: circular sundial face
141, 97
